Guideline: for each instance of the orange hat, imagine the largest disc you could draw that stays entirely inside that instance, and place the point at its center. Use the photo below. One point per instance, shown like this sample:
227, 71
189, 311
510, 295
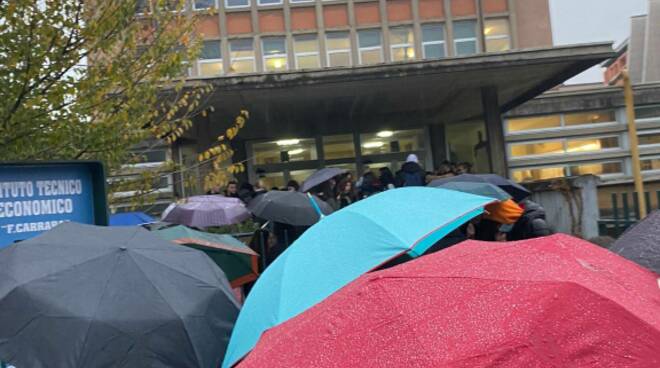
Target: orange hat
506, 212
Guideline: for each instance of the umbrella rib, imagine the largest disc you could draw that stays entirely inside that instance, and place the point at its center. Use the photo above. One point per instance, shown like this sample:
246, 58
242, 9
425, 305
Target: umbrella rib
185, 329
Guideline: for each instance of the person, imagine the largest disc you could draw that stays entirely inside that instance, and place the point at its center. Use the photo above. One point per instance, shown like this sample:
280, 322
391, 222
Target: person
411, 174
246, 192
532, 223
370, 185
232, 189
386, 178
292, 186
463, 168
498, 221
346, 194
214, 190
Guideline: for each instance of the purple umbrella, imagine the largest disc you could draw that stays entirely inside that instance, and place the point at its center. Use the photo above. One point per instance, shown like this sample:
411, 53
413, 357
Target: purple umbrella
205, 211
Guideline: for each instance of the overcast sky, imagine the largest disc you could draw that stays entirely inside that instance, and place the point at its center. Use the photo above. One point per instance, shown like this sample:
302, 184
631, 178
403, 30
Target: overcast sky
581, 21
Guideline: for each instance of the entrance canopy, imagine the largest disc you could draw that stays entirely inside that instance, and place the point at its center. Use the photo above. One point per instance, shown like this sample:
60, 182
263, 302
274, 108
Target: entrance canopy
334, 100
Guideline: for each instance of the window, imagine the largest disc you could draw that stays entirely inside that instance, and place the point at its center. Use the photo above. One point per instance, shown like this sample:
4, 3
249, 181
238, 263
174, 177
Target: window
602, 168
237, 3
433, 41
650, 164
533, 123
141, 6
465, 37
541, 173
274, 49
284, 150
306, 48
647, 112
649, 139
591, 144
497, 35
387, 141
203, 4
210, 60
594, 117
338, 45
241, 55
535, 149
272, 180
562, 146
269, 2
338, 146
301, 1
402, 43
371, 49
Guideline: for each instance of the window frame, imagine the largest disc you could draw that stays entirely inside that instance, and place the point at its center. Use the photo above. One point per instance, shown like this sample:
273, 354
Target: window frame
348, 51
284, 55
370, 48
306, 53
455, 41
227, 6
648, 132
619, 161
646, 158
253, 58
652, 119
214, 6
564, 141
300, 1
211, 61
443, 42
562, 123
394, 46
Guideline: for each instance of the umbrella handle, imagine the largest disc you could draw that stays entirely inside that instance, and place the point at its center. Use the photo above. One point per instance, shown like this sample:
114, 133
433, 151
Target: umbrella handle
315, 205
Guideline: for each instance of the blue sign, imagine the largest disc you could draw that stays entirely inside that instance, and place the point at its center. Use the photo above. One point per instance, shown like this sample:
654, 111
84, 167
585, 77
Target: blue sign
37, 197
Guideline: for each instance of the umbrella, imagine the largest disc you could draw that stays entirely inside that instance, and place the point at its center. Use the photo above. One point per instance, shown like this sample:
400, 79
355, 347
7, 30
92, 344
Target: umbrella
482, 189
205, 211
546, 302
130, 219
641, 243
342, 247
292, 208
517, 191
88, 296
321, 176
236, 259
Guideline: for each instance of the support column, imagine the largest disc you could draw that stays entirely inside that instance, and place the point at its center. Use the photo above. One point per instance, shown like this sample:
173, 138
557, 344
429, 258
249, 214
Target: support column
494, 131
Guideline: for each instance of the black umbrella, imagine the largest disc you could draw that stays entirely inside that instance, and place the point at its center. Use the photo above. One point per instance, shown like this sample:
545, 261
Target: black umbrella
321, 176
517, 191
292, 208
87, 296
641, 243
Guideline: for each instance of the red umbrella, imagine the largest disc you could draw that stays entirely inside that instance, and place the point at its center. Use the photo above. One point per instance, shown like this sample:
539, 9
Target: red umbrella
548, 302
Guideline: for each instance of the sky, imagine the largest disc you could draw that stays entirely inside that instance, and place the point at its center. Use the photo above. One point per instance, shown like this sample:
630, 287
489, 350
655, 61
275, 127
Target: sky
583, 21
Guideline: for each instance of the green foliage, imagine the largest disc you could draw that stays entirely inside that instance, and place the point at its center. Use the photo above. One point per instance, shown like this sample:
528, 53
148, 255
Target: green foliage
90, 80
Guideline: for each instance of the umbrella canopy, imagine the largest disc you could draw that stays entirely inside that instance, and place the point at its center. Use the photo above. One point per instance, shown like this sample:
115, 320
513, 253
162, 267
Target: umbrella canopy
205, 211
321, 176
342, 247
641, 243
236, 259
87, 296
130, 219
292, 208
517, 191
482, 189
547, 302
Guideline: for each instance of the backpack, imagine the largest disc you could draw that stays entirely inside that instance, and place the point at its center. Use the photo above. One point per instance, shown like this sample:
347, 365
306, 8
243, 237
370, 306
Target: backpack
412, 179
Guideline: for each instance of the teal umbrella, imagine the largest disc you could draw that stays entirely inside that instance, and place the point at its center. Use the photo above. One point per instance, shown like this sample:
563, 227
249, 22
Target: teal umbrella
236, 259
343, 246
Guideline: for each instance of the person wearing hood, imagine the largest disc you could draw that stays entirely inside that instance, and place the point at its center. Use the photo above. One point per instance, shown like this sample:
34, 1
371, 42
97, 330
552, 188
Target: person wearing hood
532, 223
411, 174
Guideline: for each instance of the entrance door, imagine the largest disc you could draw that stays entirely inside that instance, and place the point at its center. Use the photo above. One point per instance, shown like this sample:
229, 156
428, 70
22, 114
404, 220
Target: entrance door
466, 142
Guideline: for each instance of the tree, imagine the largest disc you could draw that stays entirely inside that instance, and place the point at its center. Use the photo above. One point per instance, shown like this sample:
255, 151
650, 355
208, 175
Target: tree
91, 80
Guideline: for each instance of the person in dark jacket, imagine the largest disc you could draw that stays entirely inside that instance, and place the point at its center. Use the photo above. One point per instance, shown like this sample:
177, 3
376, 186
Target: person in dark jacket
370, 185
532, 223
411, 174
347, 194
386, 178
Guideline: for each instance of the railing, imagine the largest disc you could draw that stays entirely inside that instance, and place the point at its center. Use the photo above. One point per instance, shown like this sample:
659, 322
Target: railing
624, 212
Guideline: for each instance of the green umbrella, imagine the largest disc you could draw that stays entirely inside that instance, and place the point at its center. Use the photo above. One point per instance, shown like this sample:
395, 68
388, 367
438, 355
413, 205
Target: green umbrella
236, 259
